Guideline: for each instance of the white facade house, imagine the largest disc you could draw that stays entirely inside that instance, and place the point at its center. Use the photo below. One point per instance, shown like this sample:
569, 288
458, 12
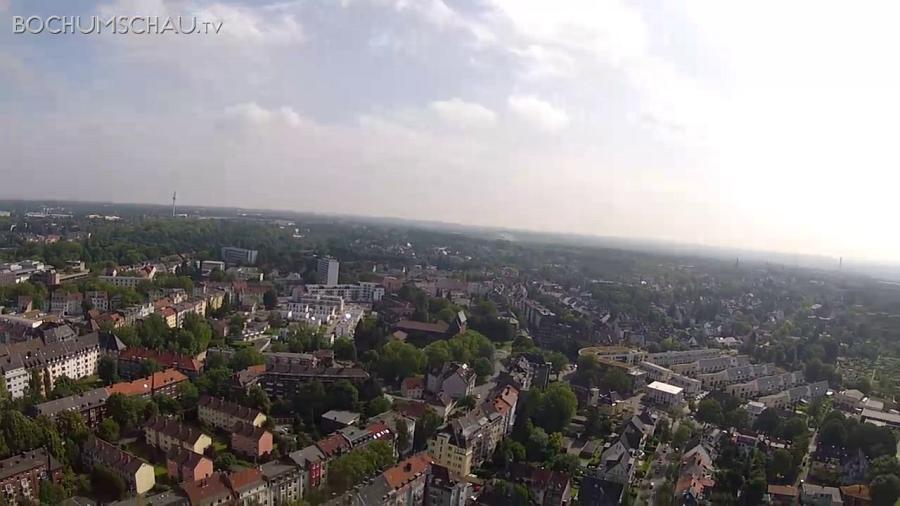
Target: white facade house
665, 394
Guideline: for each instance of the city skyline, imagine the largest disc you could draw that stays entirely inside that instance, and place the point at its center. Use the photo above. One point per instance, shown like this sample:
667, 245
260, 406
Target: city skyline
677, 123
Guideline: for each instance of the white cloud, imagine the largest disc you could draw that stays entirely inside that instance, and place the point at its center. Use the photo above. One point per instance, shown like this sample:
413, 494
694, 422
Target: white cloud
538, 113
461, 114
251, 113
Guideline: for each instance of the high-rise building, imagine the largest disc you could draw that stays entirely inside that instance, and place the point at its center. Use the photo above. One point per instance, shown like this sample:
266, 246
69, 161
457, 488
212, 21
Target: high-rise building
239, 256
327, 271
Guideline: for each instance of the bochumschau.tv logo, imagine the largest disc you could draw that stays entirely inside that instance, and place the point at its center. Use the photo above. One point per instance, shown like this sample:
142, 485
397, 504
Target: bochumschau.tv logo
117, 25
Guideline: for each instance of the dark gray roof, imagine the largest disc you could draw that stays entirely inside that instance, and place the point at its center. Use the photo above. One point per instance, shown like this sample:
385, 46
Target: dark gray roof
80, 402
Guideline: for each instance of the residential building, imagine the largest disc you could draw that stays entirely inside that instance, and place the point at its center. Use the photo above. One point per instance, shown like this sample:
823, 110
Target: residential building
766, 385
316, 308
443, 489
225, 415
284, 379
248, 487
711, 365
337, 419
165, 433
21, 476
131, 359
75, 357
856, 495
451, 453
401, 485
738, 374
133, 280
783, 495
137, 474
91, 405
816, 495
661, 374
695, 478
211, 491
313, 464
65, 303
364, 292
412, 387
456, 380
674, 358
251, 441
880, 418
794, 396
327, 271
239, 256
207, 266
849, 399
283, 479
466, 442
186, 465
665, 394
164, 382
99, 300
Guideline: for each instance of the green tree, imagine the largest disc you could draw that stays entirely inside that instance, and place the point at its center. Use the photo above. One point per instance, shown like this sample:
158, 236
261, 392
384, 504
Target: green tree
483, 368
270, 299
710, 411
885, 489
377, 406
556, 408
108, 430
344, 349
108, 370
343, 395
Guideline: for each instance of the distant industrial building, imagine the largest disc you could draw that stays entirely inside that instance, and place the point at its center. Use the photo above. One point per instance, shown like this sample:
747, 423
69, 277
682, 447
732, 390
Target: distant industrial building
239, 256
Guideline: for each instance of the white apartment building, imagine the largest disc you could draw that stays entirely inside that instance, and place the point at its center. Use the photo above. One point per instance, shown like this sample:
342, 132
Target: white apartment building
319, 308
671, 358
732, 375
655, 372
794, 395
765, 385
75, 358
665, 394
366, 292
711, 365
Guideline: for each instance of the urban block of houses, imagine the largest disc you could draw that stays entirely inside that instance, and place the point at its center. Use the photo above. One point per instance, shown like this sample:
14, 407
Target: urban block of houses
766, 385
130, 361
456, 380
75, 358
137, 474
21, 475
251, 441
225, 415
163, 382
658, 373
91, 405
186, 465
794, 396
166, 433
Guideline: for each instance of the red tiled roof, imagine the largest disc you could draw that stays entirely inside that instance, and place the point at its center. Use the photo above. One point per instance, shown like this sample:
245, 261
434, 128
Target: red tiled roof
244, 478
407, 470
142, 386
163, 358
206, 489
333, 445
413, 382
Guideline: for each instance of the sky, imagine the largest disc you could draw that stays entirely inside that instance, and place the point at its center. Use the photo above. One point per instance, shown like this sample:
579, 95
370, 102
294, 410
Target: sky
761, 125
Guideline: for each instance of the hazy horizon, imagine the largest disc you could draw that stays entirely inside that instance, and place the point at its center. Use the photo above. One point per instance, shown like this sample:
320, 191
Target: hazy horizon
763, 127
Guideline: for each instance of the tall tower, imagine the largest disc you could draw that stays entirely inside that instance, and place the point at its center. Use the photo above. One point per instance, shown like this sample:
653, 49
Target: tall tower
173, 203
